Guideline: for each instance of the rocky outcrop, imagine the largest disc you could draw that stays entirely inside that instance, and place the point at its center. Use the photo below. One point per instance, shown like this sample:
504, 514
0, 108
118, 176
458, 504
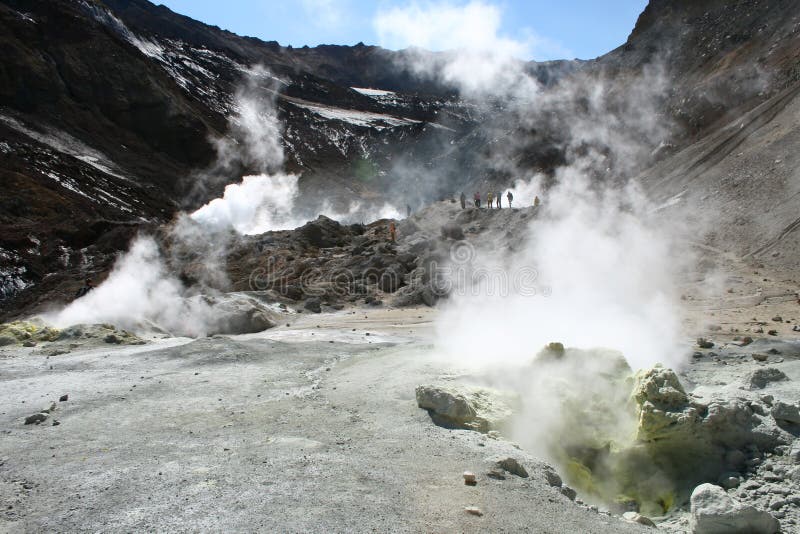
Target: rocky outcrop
715, 512
26, 332
470, 408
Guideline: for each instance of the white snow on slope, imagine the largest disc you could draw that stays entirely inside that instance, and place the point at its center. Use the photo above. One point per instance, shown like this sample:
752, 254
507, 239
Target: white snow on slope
366, 119
373, 92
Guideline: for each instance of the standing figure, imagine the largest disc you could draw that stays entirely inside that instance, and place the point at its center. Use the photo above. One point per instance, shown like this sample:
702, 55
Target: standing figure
392, 232
536, 201
477, 199
463, 201
510, 197
499, 199
489, 200
408, 210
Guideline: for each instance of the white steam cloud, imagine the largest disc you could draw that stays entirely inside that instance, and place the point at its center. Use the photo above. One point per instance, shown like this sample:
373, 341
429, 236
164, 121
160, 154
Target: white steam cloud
475, 56
139, 294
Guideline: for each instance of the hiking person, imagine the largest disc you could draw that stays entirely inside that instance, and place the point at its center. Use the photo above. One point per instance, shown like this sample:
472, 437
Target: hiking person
463, 201
477, 199
510, 198
392, 232
499, 199
88, 286
489, 200
536, 201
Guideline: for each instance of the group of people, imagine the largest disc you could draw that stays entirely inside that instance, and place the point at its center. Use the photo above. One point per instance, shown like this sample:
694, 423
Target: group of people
492, 200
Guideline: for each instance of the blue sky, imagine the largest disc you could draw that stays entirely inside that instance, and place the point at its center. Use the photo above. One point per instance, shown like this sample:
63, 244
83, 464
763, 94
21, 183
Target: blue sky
543, 29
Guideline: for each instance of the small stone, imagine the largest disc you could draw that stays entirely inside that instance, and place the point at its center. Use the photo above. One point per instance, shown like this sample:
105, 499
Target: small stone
36, 418
473, 510
553, 479
111, 338
512, 466
496, 474
568, 492
704, 343
29, 344
469, 478
729, 482
63, 398
778, 319
633, 517
772, 332
777, 505
760, 357
56, 422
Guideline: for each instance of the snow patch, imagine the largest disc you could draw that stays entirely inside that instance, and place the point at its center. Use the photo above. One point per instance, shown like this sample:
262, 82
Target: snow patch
373, 92
364, 119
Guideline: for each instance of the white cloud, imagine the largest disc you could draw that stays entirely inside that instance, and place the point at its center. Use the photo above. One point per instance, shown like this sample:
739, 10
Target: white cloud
476, 56
474, 26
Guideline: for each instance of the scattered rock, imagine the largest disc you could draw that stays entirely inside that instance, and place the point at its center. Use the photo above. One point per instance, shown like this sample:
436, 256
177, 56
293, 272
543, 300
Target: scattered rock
704, 343
512, 465
759, 378
473, 510
715, 512
634, 517
760, 357
772, 332
63, 398
496, 474
36, 418
29, 343
794, 452
112, 338
786, 413
729, 481
313, 305
478, 409
469, 478
553, 479
568, 492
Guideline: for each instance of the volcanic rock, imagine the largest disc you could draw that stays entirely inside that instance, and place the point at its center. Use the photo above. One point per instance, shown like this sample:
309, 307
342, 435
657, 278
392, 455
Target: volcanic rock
759, 378
715, 512
513, 466
786, 413
478, 409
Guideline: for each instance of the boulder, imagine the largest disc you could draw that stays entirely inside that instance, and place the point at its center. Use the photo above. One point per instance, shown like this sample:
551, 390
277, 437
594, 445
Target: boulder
759, 378
417, 295
477, 409
240, 316
323, 233
786, 413
715, 512
513, 466
313, 304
